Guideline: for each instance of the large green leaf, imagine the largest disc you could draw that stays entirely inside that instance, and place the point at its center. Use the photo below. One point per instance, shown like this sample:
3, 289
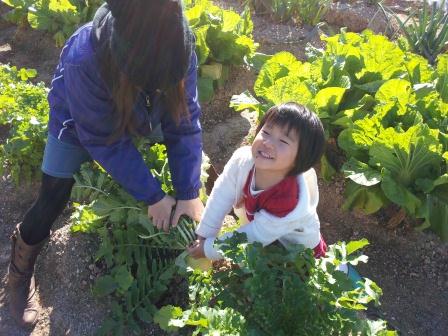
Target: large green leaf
357, 140
123, 278
278, 66
381, 57
442, 71
202, 48
289, 89
104, 286
367, 199
364, 106
395, 92
360, 173
333, 73
194, 12
230, 21
399, 194
419, 70
45, 15
205, 89
355, 245
245, 101
437, 216
326, 169
428, 185
328, 99
408, 155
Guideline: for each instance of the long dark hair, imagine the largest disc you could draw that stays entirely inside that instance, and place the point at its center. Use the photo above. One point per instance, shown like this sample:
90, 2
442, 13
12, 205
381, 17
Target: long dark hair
148, 52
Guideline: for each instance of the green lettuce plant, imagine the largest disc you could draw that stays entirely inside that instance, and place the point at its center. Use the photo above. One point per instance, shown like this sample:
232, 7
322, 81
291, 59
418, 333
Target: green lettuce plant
306, 11
367, 89
58, 17
276, 291
24, 113
223, 38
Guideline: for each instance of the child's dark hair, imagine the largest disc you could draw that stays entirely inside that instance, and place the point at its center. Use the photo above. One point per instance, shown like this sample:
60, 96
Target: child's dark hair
308, 127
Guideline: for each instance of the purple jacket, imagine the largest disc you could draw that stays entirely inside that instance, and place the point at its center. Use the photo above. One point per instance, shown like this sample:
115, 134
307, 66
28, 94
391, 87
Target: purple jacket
81, 113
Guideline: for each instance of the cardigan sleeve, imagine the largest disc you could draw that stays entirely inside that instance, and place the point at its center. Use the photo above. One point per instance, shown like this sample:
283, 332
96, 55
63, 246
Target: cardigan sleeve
222, 197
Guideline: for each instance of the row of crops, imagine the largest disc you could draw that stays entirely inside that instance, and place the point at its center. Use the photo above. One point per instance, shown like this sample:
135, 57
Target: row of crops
223, 37
141, 265
386, 108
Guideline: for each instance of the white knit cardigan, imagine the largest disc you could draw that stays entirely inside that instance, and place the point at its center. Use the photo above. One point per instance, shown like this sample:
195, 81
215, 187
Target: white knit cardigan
300, 226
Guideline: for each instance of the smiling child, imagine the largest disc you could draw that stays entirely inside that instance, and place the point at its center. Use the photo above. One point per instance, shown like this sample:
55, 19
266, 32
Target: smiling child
271, 185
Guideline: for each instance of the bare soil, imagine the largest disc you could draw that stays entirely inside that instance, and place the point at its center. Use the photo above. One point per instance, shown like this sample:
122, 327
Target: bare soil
411, 267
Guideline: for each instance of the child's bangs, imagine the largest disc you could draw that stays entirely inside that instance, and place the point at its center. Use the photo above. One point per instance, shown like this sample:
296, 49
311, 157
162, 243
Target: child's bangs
283, 120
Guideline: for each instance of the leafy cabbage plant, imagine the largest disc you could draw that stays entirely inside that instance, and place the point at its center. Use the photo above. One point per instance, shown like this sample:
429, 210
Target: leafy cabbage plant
387, 109
24, 116
223, 38
58, 17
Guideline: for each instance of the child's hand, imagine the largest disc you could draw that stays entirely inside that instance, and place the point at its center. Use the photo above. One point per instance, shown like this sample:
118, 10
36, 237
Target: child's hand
196, 249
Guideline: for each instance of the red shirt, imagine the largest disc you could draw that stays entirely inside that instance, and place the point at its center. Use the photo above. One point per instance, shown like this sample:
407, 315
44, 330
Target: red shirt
279, 200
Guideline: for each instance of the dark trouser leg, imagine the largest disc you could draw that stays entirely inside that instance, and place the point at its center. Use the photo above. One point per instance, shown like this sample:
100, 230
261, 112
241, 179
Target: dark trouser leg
53, 197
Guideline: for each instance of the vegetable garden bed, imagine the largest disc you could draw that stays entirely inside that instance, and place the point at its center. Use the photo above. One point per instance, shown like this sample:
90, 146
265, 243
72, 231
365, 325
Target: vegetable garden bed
411, 267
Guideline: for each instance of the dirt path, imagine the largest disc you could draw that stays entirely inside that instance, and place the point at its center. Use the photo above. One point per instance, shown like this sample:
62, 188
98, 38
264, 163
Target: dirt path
410, 267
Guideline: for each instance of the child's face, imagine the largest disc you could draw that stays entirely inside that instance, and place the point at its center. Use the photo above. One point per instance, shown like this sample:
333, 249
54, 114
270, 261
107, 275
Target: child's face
275, 149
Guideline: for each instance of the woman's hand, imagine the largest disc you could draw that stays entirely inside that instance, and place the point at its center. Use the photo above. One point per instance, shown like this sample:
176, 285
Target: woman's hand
160, 212
196, 249
192, 208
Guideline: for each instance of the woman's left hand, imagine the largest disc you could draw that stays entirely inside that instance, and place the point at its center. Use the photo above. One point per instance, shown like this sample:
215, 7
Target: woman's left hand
192, 208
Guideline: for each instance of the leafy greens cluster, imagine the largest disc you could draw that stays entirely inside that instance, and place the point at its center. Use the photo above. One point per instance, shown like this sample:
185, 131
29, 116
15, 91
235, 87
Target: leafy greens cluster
58, 17
388, 109
137, 257
306, 11
223, 38
24, 116
276, 291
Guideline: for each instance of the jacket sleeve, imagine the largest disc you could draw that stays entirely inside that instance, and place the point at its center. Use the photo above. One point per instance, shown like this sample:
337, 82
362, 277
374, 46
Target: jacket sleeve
92, 109
184, 142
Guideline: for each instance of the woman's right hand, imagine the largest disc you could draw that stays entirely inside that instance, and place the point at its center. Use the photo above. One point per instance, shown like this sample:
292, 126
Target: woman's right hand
160, 212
